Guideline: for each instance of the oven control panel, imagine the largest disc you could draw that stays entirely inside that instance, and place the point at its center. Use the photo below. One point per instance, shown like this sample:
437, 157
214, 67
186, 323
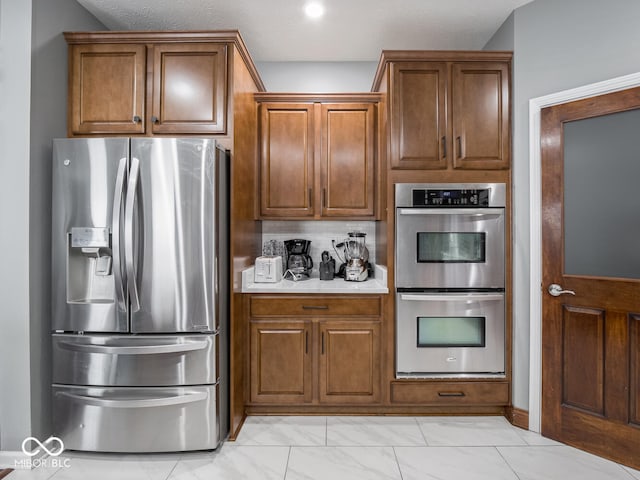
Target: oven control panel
452, 197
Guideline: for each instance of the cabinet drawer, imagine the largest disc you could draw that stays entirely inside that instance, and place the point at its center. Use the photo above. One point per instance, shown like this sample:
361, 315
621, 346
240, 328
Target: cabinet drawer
314, 306
450, 393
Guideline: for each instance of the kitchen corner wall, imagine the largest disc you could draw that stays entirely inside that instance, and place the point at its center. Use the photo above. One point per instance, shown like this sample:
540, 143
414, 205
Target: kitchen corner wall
557, 46
15, 65
33, 76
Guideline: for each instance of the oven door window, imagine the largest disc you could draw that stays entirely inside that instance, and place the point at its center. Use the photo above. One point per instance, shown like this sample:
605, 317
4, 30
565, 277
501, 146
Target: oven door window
451, 247
451, 332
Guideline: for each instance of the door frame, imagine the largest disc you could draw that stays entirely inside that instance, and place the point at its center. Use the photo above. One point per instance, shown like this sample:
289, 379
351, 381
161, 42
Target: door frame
535, 225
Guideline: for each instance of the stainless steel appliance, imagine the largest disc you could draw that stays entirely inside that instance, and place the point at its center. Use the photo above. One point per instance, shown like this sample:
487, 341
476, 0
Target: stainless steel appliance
299, 262
140, 294
450, 279
355, 257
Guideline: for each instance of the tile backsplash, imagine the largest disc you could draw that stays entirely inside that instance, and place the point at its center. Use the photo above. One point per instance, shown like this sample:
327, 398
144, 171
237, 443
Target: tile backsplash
321, 233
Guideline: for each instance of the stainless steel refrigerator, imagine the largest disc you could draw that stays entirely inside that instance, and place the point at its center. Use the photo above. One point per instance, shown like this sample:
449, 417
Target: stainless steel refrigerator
140, 294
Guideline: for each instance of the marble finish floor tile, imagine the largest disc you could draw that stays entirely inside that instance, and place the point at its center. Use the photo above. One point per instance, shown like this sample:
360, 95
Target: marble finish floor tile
116, 467
342, 463
232, 462
452, 463
41, 473
283, 431
370, 431
560, 463
533, 438
469, 431
634, 473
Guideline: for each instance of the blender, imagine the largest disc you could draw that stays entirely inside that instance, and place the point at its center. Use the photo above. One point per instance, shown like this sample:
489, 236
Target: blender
356, 257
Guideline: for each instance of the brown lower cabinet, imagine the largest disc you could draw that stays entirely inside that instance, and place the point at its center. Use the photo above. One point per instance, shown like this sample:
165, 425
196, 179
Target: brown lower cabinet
313, 353
449, 393
323, 353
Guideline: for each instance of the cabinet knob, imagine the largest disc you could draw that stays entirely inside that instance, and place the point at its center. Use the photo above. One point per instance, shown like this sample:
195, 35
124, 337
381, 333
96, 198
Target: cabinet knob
154, 119
137, 119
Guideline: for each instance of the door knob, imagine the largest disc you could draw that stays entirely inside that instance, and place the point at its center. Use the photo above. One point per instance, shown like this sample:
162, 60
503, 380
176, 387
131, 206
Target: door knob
556, 290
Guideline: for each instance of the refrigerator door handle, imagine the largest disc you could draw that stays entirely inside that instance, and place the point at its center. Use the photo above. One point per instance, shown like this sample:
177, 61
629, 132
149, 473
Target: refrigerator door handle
135, 350
137, 403
116, 234
128, 234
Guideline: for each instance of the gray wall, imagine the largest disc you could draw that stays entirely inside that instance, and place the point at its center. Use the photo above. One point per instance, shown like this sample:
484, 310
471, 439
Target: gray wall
15, 66
557, 45
35, 114
325, 77
48, 121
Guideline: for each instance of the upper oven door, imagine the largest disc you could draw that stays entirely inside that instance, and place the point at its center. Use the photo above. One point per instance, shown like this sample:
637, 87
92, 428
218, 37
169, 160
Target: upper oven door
450, 248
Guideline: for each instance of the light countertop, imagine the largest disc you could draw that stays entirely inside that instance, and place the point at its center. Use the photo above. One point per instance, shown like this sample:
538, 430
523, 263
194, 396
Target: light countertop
315, 285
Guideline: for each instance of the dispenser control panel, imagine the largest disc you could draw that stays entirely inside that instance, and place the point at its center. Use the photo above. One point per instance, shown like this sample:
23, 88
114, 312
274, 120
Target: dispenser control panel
83, 237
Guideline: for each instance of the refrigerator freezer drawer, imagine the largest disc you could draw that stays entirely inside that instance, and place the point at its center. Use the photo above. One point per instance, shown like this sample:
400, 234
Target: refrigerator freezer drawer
134, 360
136, 419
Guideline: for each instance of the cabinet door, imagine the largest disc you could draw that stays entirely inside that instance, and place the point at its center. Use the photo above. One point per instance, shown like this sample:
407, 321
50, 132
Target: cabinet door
480, 115
107, 89
347, 159
189, 88
349, 362
286, 160
418, 122
280, 362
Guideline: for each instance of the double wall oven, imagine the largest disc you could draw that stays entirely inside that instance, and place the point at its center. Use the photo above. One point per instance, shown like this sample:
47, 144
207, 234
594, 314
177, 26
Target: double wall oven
450, 280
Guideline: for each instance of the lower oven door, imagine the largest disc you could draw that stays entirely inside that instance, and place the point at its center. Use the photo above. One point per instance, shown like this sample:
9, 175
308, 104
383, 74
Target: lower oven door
450, 333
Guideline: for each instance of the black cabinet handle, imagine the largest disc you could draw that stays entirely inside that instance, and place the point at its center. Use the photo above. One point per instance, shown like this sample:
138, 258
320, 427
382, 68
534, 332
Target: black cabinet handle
451, 394
322, 343
315, 307
137, 119
154, 119
306, 342
459, 140
443, 142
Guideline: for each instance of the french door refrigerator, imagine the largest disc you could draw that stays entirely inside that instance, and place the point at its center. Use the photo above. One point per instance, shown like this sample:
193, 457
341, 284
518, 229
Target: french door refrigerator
140, 294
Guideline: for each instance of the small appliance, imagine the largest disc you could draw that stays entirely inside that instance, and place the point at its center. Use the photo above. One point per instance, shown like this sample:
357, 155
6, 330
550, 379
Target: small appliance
268, 269
299, 262
327, 267
355, 257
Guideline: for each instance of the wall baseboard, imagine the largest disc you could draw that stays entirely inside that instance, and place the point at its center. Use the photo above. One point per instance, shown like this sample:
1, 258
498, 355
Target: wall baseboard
518, 417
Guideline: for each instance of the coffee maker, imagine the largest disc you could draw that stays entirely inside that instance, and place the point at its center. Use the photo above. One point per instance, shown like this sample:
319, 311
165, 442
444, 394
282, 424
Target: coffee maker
299, 263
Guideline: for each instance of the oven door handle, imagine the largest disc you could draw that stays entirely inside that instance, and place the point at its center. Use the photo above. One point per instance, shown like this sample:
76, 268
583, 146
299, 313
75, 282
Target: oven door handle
452, 211
484, 297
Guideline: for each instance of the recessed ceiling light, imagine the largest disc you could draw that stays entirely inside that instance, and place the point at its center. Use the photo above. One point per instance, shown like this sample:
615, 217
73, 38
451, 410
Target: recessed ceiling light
314, 10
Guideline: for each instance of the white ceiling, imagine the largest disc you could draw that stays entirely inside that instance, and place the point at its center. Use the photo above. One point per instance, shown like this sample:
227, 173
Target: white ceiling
351, 30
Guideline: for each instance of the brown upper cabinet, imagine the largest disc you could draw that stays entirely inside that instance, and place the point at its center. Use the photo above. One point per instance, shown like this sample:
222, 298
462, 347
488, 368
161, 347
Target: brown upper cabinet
447, 110
318, 155
147, 84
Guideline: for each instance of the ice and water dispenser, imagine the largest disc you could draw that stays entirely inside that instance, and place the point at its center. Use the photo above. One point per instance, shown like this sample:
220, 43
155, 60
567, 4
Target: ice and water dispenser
89, 266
